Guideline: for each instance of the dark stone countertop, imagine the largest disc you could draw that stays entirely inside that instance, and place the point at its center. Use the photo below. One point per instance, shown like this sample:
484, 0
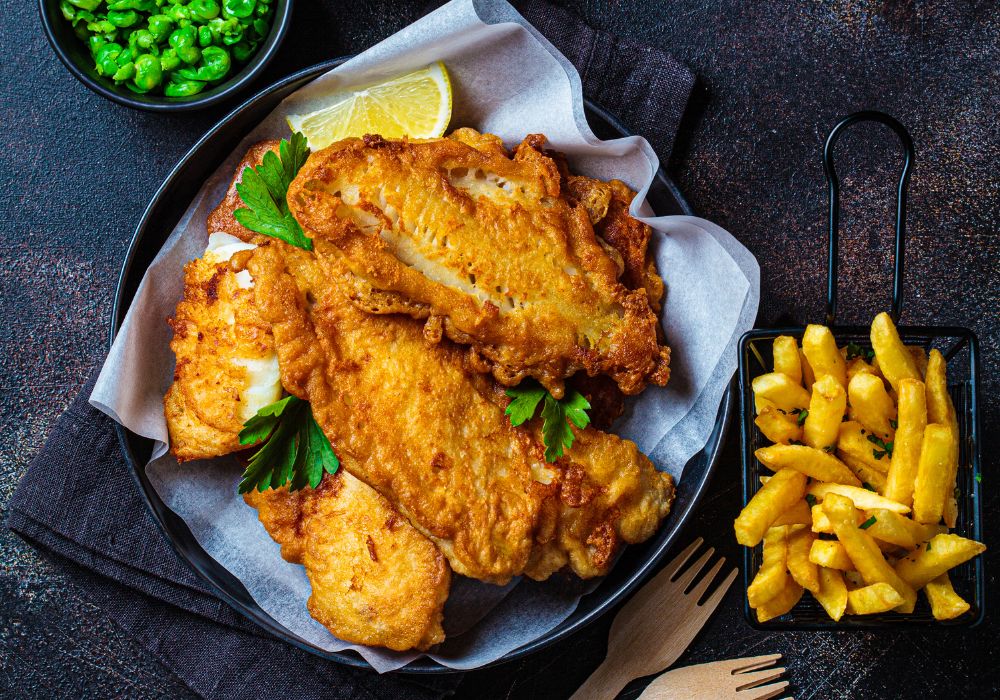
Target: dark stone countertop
77, 172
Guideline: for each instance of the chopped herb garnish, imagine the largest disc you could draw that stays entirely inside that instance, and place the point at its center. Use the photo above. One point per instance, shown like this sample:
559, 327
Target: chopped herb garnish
811, 500
886, 447
868, 523
979, 478
556, 415
855, 350
893, 423
867, 486
928, 545
829, 449
295, 448
803, 414
796, 411
264, 189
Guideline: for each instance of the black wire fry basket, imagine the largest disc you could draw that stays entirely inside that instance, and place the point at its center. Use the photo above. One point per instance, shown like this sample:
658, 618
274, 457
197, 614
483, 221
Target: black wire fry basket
960, 348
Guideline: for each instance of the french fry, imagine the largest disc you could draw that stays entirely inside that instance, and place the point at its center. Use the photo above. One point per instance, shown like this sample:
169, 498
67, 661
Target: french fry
869, 476
874, 599
853, 580
761, 404
871, 405
808, 376
940, 409
946, 604
780, 493
862, 550
892, 527
943, 552
822, 525
908, 441
780, 390
919, 357
831, 554
894, 359
778, 426
814, 463
798, 514
832, 593
933, 482
786, 357
823, 354
853, 442
805, 573
789, 596
859, 366
862, 498
826, 411
773, 572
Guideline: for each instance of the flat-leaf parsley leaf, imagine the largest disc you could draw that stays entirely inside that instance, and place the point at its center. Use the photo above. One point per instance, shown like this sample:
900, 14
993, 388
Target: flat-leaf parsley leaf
557, 435
264, 189
295, 448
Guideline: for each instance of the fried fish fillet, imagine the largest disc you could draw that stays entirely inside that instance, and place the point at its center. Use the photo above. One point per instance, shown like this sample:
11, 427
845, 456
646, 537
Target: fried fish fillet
410, 419
375, 579
486, 248
226, 367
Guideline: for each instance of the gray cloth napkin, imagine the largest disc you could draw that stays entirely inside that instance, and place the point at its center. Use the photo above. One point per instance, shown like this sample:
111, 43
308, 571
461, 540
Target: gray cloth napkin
79, 501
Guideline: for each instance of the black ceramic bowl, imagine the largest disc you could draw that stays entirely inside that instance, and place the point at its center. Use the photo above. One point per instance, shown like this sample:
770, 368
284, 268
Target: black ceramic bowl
162, 214
76, 57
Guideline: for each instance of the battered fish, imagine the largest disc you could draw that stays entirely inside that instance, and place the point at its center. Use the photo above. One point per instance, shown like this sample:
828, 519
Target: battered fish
487, 249
408, 418
375, 579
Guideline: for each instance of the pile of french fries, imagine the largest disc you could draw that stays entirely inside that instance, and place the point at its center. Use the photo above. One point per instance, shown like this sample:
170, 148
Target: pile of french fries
865, 457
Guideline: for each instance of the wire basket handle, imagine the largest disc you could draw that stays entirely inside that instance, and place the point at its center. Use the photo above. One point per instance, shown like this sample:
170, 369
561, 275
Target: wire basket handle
834, 183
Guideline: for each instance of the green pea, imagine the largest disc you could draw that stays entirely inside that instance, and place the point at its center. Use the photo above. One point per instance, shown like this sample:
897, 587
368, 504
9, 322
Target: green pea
86, 4
160, 27
178, 13
124, 72
184, 88
239, 8
204, 9
233, 37
135, 88
148, 73
169, 60
105, 59
68, 11
183, 37
95, 42
142, 38
242, 51
205, 37
260, 26
138, 5
102, 26
214, 66
124, 18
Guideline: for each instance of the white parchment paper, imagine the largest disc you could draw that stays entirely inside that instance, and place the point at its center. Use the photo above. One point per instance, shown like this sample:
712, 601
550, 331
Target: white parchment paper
507, 80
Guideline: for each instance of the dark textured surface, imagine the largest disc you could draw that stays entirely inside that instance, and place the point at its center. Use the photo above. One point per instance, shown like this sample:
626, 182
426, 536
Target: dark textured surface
77, 172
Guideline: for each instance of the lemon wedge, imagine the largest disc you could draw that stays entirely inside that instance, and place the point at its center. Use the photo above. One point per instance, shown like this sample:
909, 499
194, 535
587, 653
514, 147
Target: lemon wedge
417, 105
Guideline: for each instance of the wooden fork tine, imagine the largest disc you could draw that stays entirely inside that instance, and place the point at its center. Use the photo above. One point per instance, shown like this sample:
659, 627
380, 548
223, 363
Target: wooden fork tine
677, 562
762, 692
713, 601
758, 678
699, 590
754, 663
685, 579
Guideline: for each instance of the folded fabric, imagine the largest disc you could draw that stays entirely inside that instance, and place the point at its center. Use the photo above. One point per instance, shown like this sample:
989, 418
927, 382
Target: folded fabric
79, 500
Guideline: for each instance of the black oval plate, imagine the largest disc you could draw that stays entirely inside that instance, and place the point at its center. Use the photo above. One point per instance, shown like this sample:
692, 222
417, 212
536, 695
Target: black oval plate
159, 219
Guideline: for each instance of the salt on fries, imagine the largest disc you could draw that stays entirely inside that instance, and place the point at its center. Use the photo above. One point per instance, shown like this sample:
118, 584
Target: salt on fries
865, 458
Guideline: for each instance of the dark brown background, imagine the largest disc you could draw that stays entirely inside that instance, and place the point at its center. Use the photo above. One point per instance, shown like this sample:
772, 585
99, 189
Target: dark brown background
774, 76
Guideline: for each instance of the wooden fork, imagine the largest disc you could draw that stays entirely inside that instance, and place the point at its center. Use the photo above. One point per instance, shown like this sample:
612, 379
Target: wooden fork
657, 625
742, 679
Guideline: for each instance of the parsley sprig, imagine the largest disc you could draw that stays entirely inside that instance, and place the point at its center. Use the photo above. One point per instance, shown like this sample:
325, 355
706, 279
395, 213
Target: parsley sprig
855, 350
295, 448
264, 189
556, 415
